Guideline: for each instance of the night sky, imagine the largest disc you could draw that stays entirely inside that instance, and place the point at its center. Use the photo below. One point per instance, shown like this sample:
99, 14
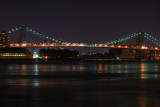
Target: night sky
81, 20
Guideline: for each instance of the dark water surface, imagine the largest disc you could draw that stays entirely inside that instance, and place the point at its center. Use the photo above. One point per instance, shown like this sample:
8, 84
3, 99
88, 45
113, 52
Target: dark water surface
79, 84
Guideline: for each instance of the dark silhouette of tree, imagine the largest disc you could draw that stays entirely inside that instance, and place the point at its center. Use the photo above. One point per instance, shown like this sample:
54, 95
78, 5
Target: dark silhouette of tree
59, 54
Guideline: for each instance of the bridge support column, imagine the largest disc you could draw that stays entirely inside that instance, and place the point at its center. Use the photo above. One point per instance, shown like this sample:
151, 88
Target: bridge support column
21, 37
140, 38
156, 55
140, 54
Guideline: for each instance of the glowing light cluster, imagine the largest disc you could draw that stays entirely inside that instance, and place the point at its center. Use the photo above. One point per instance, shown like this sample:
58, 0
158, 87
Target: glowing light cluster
147, 36
14, 30
44, 36
152, 39
12, 54
122, 39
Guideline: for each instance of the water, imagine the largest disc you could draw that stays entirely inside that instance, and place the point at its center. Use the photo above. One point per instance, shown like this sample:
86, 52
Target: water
79, 84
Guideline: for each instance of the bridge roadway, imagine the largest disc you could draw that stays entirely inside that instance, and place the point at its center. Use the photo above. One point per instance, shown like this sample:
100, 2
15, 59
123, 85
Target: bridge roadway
82, 45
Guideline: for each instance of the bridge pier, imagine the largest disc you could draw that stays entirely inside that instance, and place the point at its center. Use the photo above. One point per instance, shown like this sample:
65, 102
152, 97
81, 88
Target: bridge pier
156, 55
140, 54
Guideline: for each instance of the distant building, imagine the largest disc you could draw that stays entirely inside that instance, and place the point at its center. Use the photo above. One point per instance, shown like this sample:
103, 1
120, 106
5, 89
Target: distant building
115, 53
15, 53
127, 54
4, 40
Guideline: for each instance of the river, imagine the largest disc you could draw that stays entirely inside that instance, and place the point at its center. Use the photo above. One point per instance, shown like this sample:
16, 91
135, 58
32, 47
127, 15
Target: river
93, 83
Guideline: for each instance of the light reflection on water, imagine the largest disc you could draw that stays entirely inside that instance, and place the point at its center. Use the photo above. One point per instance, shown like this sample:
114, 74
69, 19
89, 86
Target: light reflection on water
36, 69
156, 71
126, 68
143, 69
23, 69
100, 68
101, 91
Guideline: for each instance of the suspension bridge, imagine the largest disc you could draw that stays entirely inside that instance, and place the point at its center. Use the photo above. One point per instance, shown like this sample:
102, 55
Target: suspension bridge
139, 45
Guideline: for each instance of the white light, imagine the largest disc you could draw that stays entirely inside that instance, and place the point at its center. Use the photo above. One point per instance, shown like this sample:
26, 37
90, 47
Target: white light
143, 47
24, 44
35, 55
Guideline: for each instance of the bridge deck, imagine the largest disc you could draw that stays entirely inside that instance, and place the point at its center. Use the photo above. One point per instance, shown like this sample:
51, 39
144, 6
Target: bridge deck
82, 45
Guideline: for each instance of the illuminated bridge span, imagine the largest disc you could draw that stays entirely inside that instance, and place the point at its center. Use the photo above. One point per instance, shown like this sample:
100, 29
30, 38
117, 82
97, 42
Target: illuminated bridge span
140, 36
82, 45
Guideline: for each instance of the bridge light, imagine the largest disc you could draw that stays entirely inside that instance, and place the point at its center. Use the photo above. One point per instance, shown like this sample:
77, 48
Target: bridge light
100, 45
143, 47
156, 48
81, 44
46, 57
24, 44
112, 45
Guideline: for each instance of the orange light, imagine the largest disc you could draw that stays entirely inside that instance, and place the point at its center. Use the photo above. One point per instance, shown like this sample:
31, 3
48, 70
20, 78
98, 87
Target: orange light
81, 44
126, 46
46, 57
112, 45
143, 47
73, 44
100, 45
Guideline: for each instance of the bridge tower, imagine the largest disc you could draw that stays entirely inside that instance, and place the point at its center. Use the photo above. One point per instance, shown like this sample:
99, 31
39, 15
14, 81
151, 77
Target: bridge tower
140, 38
21, 36
140, 42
